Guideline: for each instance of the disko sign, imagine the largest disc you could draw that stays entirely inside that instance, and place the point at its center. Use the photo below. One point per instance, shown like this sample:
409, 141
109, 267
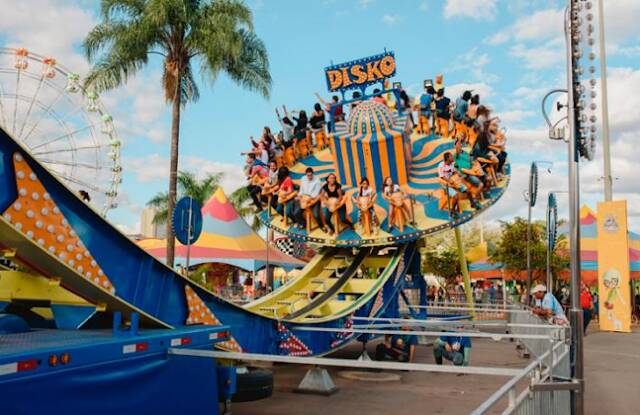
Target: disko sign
360, 73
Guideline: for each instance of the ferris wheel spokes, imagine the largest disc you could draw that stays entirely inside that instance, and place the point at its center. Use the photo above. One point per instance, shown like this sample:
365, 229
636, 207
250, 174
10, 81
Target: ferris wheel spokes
63, 125
33, 100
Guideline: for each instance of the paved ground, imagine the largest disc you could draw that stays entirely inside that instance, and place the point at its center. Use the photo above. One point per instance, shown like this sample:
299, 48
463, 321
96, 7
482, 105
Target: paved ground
415, 393
612, 367
612, 373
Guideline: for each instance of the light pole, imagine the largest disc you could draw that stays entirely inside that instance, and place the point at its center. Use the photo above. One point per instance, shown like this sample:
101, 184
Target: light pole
608, 179
530, 197
552, 223
580, 136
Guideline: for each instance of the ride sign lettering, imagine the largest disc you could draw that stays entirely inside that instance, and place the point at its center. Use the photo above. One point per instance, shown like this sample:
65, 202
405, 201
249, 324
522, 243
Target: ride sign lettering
360, 73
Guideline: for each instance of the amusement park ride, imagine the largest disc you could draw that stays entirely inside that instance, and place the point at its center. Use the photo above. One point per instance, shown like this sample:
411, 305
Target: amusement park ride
88, 314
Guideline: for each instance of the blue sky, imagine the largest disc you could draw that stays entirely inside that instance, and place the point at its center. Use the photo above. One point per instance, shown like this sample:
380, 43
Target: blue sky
509, 51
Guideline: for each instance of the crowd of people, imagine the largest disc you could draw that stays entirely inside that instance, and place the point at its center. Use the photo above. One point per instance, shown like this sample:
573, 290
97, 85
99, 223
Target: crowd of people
469, 172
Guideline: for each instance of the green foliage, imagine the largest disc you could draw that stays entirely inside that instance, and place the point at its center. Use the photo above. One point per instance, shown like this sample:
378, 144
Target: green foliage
188, 185
445, 264
241, 200
216, 36
446, 240
511, 250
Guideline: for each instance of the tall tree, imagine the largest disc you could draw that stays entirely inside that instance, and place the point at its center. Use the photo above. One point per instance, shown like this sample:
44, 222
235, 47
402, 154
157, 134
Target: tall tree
444, 264
187, 185
216, 36
511, 250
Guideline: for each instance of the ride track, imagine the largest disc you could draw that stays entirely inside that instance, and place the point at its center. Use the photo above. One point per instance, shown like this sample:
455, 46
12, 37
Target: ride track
57, 236
54, 231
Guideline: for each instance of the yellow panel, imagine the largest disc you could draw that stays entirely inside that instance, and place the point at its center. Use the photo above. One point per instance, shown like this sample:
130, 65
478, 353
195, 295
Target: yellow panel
613, 267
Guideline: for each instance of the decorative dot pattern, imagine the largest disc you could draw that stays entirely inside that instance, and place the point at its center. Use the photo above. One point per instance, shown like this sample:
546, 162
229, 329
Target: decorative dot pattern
199, 313
36, 215
289, 344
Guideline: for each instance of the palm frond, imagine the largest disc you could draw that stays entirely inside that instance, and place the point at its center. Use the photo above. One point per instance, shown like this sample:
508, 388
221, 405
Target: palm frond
251, 69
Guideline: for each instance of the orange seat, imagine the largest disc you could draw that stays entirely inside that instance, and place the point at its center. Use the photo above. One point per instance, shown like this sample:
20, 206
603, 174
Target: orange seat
289, 156
442, 127
321, 139
423, 124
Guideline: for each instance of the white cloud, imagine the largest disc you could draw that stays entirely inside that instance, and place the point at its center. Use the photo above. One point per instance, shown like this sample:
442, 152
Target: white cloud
497, 38
49, 27
484, 90
129, 229
539, 26
515, 116
542, 56
621, 19
155, 168
391, 19
474, 9
147, 169
474, 63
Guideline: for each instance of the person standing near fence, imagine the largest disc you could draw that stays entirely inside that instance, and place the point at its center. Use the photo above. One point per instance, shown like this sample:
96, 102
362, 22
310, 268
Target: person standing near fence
586, 302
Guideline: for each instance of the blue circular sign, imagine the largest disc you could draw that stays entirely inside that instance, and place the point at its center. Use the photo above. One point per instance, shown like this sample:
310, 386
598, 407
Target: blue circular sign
187, 220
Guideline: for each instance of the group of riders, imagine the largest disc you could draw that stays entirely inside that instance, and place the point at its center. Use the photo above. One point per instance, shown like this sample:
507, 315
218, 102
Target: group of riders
469, 172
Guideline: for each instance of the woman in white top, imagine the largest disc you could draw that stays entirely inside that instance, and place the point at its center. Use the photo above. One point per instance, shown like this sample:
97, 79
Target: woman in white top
396, 197
366, 198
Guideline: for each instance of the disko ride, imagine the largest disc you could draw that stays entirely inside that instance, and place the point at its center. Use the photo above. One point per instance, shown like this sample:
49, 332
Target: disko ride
85, 272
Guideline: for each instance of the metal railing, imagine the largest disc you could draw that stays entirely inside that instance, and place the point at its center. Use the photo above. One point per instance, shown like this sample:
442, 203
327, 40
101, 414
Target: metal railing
544, 386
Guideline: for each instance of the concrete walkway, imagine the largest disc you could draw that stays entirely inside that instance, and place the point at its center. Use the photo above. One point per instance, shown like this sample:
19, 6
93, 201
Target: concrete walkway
612, 372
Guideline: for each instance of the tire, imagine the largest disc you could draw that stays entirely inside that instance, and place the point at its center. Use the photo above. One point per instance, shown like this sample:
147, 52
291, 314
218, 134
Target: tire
254, 385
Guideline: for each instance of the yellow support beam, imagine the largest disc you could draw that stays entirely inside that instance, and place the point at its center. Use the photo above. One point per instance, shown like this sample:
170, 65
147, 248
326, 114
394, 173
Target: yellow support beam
22, 286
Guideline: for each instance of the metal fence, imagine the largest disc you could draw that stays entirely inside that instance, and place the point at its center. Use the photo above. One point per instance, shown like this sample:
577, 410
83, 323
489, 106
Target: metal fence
543, 387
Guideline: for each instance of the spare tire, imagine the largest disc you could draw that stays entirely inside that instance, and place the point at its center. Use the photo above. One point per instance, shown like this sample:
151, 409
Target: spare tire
253, 385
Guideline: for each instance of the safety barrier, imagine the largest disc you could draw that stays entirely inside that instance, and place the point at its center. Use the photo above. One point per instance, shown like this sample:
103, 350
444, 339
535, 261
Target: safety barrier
545, 385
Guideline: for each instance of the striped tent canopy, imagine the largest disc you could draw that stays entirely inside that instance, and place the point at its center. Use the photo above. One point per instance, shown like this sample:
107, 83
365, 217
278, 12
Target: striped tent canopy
589, 247
373, 143
483, 269
226, 238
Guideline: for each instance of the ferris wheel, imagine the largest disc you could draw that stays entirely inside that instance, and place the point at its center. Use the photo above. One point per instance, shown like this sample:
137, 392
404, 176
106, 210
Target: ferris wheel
45, 107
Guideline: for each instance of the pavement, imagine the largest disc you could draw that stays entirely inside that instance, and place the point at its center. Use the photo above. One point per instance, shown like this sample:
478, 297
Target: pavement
612, 372
612, 369
414, 393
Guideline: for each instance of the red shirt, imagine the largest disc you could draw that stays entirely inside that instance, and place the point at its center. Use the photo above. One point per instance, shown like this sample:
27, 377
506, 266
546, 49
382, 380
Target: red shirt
586, 301
287, 185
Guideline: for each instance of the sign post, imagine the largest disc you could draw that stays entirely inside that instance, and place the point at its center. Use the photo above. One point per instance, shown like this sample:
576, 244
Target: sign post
187, 224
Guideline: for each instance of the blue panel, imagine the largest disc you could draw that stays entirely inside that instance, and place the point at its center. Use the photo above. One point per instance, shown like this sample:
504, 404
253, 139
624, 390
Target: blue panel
157, 384
338, 144
350, 162
391, 152
7, 174
71, 316
375, 156
362, 162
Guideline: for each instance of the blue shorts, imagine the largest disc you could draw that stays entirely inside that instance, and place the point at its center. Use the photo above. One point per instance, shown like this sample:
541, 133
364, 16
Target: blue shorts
453, 191
474, 180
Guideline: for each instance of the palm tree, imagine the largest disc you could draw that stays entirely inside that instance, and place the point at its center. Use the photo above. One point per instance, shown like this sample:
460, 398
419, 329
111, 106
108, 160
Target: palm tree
214, 35
241, 201
188, 185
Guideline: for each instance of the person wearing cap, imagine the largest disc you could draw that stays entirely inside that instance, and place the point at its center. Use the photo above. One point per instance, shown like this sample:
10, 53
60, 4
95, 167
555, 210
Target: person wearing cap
546, 306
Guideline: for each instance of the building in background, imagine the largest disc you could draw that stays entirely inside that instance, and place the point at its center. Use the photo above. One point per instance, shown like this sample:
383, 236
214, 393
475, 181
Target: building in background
148, 229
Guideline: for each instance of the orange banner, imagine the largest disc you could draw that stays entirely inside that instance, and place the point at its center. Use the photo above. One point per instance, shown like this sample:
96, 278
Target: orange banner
613, 267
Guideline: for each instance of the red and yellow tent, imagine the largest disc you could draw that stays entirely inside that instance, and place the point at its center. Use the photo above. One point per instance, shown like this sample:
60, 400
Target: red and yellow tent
226, 238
